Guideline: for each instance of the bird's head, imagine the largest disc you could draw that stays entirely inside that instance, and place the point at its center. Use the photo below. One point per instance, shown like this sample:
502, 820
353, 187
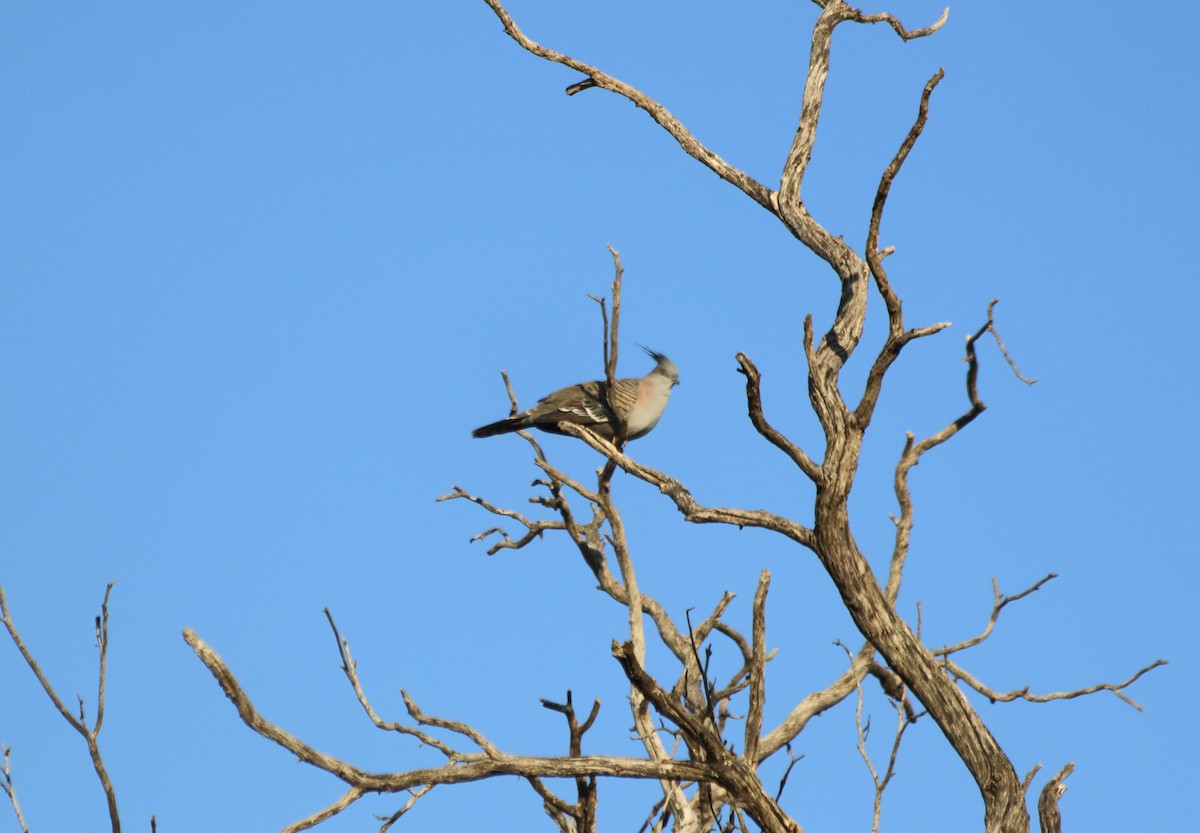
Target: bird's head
663, 366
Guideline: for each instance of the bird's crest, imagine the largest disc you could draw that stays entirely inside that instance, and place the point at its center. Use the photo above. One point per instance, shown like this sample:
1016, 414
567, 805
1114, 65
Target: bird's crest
665, 365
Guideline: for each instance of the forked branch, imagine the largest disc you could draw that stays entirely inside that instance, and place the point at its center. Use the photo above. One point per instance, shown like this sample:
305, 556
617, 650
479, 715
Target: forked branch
958, 673
913, 450
904, 718
461, 767
91, 733
582, 813
685, 503
533, 529
1000, 602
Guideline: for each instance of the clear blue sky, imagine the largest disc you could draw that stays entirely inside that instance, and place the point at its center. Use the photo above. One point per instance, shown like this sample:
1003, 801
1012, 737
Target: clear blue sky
262, 264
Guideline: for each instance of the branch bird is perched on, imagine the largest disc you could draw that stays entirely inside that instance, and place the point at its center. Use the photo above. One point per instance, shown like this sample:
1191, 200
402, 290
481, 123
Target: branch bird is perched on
638, 403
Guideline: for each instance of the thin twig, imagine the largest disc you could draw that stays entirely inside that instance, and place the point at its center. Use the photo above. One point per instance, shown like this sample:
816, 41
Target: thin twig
534, 529
1004, 352
905, 34
611, 352
999, 603
483, 767
10, 790
793, 759
512, 397
693, 511
456, 726
413, 797
350, 669
773, 435
863, 729
349, 797
701, 671
90, 735
874, 255
612, 346
957, 672
595, 78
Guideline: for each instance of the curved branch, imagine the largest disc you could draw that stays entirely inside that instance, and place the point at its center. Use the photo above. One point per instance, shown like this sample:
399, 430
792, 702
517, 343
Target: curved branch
473, 770
685, 503
800, 152
534, 529
1048, 815
595, 78
817, 703
913, 451
874, 255
1000, 602
897, 337
759, 420
251, 717
905, 34
957, 672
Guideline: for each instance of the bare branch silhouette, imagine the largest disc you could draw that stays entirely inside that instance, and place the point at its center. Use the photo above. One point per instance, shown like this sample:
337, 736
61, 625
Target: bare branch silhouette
711, 672
10, 791
91, 733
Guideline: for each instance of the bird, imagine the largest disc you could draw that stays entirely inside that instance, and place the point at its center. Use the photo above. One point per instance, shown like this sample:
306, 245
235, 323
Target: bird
639, 403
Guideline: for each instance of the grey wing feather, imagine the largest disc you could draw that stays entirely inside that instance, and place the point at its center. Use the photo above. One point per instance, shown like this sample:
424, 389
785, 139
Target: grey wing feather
588, 403
584, 401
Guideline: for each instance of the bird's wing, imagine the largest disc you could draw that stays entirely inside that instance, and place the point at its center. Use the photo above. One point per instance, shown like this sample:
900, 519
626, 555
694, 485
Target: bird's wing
584, 401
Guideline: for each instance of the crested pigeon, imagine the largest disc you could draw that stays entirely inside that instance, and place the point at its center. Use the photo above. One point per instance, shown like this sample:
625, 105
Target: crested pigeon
639, 403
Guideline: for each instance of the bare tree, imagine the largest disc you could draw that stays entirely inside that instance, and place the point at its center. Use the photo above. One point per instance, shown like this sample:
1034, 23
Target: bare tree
708, 772
703, 735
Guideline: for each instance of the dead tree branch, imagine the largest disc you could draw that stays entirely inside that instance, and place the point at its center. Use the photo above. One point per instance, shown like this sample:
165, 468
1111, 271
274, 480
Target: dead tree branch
905, 34
595, 78
1048, 814
687, 505
957, 672
759, 420
904, 719
349, 797
533, 529
91, 733
733, 774
413, 797
462, 767
898, 337
998, 605
701, 775
583, 812
758, 668
9, 790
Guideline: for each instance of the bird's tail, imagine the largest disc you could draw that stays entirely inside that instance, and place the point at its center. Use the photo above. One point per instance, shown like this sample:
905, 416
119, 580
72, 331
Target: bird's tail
504, 426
